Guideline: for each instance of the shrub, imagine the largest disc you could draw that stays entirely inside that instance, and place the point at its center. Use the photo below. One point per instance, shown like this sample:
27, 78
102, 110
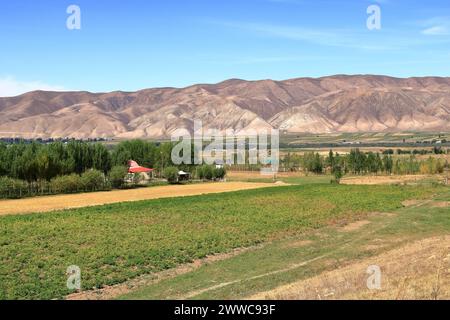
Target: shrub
67, 184
13, 188
219, 173
206, 172
338, 174
171, 174
199, 173
117, 175
93, 180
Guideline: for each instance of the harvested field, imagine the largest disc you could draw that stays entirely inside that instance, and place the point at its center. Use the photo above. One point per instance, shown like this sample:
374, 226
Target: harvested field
420, 270
68, 201
257, 175
373, 180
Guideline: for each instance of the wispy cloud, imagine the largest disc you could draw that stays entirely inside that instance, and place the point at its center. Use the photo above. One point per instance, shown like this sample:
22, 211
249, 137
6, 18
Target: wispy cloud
437, 26
260, 60
436, 31
287, 1
360, 39
355, 39
9, 86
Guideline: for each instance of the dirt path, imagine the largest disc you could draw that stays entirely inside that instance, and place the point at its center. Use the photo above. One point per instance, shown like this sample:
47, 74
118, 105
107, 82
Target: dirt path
419, 270
58, 202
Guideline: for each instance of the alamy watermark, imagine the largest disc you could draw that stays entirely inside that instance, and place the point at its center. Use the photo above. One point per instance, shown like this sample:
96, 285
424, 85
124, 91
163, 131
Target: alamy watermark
74, 278
374, 279
374, 19
227, 147
73, 22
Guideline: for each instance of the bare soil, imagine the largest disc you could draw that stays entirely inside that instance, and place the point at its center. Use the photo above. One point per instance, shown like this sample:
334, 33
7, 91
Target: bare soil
354, 226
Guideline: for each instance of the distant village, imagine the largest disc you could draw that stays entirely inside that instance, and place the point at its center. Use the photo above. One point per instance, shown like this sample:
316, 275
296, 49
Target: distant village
50, 140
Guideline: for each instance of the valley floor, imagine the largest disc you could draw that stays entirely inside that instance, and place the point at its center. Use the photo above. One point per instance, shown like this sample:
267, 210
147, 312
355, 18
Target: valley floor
313, 240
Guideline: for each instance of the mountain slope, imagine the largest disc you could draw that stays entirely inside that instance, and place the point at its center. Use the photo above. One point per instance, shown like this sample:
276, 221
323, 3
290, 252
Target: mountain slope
331, 104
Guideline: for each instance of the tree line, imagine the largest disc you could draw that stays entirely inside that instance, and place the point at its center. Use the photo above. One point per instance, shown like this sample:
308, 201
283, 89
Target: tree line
360, 163
33, 168
36, 161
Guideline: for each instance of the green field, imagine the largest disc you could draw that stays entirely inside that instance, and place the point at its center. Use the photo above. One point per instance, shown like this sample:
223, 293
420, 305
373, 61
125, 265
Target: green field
283, 261
114, 243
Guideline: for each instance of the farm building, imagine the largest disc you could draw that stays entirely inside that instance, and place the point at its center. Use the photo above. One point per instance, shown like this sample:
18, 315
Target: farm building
145, 174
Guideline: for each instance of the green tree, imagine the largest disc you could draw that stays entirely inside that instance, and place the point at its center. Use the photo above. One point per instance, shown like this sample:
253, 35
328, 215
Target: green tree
338, 174
117, 175
331, 161
219, 173
93, 180
171, 174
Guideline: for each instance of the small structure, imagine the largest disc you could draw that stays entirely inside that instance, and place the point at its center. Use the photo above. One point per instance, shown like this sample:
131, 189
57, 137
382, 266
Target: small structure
183, 176
145, 174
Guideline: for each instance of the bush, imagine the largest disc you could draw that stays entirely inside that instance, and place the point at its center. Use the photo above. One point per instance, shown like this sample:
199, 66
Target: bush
13, 188
205, 172
338, 174
171, 174
219, 173
67, 184
117, 175
93, 180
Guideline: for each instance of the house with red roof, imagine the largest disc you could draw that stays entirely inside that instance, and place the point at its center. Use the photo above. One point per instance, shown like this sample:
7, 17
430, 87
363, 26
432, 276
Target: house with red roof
135, 169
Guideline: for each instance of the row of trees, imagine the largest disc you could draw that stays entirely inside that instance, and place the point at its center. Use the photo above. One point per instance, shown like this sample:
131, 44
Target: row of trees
36, 162
358, 162
91, 180
28, 169
204, 172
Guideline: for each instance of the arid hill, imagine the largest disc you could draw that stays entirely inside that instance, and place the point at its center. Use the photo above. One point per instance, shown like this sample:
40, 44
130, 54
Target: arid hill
362, 103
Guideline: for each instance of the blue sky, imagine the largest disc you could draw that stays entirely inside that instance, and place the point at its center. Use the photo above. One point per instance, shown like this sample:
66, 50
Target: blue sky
135, 44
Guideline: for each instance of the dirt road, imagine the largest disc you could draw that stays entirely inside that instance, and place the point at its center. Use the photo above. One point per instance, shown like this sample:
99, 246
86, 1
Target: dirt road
58, 202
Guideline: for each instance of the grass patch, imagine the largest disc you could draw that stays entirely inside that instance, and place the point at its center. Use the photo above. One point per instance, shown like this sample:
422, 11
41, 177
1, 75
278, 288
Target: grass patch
113, 243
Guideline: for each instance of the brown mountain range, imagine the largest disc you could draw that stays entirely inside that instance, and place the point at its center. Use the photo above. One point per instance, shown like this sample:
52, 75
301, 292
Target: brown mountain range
361, 103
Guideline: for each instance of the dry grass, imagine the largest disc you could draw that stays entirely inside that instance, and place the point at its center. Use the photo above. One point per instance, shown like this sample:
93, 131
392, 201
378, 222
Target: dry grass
354, 226
420, 270
374, 180
59, 202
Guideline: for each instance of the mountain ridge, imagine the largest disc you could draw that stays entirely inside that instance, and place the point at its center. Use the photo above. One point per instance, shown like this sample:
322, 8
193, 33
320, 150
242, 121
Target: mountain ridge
339, 103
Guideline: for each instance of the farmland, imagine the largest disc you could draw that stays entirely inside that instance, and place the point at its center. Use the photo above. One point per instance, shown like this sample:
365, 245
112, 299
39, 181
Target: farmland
114, 243
68, 201
410, 244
